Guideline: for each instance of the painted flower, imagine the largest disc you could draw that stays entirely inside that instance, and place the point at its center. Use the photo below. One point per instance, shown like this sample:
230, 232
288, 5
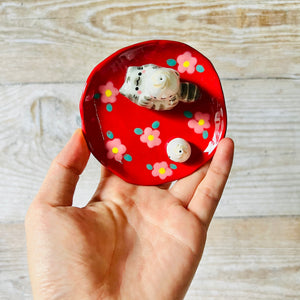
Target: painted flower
186, 62
151, 137
115, 149
162, 170
200, 122
108, 92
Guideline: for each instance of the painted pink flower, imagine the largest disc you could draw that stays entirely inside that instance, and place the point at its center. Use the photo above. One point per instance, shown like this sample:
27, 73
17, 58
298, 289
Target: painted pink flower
162, 170
115, 149
200, 122
108, 92
186, 62
151, 137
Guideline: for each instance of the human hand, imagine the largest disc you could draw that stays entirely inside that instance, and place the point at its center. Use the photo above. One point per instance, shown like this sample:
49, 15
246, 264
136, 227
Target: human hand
129, 241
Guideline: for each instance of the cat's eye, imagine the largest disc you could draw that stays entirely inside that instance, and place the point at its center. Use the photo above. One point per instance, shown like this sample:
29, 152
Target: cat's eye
140, 73
136, 88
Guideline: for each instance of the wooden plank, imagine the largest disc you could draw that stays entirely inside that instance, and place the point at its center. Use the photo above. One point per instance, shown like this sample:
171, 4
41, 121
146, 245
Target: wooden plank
14, 279
251, 258
61, 41
263, 120
39, 120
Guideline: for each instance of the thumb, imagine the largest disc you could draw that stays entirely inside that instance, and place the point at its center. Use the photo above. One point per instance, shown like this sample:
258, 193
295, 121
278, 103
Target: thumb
60, 182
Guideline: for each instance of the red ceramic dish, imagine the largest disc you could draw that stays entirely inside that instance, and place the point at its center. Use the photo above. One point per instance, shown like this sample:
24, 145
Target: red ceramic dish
131, 140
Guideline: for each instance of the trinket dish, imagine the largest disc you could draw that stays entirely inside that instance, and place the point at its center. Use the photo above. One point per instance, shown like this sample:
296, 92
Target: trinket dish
153, 112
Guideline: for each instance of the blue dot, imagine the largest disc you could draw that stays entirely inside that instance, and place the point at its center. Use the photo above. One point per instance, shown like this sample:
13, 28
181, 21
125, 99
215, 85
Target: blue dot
97, 96
188, 114
155, 125
138, 131
127, 157
109, 107
171, 62
205, 134
173, 167
200, 68
110, 135
149, 167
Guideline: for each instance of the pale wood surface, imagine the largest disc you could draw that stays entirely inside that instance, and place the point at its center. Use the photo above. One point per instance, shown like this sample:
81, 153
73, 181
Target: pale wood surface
249, 258
48, 48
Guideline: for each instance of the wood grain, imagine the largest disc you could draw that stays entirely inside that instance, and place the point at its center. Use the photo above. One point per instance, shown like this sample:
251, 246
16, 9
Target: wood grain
59, 41
250, 258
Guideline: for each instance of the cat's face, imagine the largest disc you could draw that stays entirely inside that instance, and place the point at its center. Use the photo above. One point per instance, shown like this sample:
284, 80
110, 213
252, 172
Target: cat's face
150, 83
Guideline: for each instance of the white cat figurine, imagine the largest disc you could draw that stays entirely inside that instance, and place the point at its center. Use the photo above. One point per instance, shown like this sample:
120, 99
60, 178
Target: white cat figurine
157, 88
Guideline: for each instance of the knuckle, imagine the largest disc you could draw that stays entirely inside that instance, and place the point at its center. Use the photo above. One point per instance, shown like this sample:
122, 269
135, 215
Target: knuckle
36, 214
209, 193
219, 171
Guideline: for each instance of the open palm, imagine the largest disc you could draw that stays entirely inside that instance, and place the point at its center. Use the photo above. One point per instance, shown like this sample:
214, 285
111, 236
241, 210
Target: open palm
129, 242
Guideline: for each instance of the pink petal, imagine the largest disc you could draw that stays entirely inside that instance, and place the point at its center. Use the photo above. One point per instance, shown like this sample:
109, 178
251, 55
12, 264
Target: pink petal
193, 61
156, 133
155, 173
198, 116
153, 143
169, 172
162, 176
122, 149
187, 54
157, 141
191, 69
116, 142
181, 59
118, 157
192, 124
181, 69
148, 131
109, 85
163, 164
198, 129
114, 91
108, 145
144, 138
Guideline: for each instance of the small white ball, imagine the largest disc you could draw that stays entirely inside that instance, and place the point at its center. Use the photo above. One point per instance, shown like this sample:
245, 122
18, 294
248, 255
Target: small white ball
179, 150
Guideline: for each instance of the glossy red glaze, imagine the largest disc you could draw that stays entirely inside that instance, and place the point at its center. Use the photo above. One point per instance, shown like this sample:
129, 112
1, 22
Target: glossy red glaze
113, 125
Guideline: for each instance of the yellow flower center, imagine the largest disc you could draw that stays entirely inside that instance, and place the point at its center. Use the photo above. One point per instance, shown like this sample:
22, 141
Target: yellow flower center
108, 93
186, 64
201, 122
150, 137
115, 150
162, 171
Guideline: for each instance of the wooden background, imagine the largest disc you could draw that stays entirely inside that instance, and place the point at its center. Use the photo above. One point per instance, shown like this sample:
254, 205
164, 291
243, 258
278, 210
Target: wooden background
48, 48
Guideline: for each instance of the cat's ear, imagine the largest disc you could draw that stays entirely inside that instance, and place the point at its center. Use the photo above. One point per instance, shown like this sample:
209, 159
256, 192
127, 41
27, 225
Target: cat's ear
124, 89
130, 71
